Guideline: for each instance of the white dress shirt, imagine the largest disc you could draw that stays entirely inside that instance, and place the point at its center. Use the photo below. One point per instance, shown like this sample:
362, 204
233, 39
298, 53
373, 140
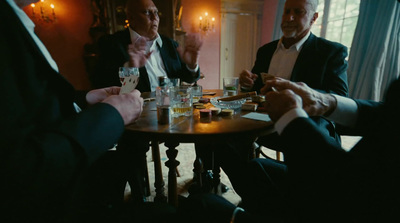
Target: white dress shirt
154, 65
283, 59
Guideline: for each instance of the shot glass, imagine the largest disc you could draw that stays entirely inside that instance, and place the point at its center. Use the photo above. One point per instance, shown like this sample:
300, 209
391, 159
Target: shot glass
197, 92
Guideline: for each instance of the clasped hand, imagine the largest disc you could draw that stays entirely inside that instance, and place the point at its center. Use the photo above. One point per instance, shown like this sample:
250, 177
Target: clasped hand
129, 105
291, 95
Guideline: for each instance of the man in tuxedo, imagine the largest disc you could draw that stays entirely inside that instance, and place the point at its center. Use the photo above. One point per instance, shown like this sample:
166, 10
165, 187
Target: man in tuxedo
164, 56
49, 147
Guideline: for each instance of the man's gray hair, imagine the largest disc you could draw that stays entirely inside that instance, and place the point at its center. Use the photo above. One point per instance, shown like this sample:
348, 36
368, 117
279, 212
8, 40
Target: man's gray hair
314, 4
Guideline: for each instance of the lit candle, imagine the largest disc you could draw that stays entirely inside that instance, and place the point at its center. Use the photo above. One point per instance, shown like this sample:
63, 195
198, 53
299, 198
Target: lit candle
52, 8
41, 8
206, 21
200, 18
213, 20
33, 9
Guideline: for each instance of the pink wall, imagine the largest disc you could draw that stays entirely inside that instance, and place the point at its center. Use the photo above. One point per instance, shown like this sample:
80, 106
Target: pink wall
268, 19
210, 52
209, 55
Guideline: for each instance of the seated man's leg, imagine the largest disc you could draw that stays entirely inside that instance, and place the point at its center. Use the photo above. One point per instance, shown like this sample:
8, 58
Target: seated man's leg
233, 156
133, 150
265, 187
100, 190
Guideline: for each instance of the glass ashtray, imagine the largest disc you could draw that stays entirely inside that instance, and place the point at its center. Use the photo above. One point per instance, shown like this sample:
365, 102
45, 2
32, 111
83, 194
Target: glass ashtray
227, 104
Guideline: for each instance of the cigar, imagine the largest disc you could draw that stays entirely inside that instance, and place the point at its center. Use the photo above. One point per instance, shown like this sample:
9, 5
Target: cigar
148, 99
239, 96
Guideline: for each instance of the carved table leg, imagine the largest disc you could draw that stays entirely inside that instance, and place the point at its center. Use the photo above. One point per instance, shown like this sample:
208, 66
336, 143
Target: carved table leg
198, 170
216, 176
172, 163
158, 181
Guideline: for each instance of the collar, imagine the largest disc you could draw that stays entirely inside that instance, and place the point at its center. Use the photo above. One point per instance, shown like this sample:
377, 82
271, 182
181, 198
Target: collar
135, 35
297, 45
29, 25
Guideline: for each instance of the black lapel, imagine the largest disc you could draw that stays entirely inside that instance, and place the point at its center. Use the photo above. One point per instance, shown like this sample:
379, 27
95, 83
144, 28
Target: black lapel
303, 59
164, 55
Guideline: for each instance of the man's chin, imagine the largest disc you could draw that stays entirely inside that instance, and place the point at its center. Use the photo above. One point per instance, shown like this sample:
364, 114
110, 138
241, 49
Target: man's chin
289, 34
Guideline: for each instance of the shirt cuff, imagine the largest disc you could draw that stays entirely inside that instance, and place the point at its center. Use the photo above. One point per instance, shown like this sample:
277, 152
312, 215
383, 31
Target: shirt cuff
289, 116
346, 111
193, 70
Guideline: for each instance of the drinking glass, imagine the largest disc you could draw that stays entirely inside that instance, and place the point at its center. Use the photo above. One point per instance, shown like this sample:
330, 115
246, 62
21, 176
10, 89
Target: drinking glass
230, 86
125, 72
197, 92
181, 101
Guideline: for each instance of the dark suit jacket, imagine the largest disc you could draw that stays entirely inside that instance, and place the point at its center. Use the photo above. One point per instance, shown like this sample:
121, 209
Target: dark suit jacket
357, 186
44, 143
321, 65
112, 55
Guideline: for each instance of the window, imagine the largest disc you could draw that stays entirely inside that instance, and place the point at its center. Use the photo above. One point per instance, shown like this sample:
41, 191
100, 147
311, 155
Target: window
337, 20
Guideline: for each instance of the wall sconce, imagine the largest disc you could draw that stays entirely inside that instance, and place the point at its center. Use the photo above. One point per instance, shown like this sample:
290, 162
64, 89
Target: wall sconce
205, 25
47, 13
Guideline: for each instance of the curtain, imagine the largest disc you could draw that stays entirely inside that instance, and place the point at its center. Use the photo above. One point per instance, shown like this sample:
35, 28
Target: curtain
277, 32
374, 59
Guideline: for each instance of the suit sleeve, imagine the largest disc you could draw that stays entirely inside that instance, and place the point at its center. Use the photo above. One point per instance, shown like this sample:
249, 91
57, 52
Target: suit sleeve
304, 141
44, 144
368, 118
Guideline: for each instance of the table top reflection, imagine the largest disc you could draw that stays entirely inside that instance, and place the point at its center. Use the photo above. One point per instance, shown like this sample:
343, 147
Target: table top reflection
194, 128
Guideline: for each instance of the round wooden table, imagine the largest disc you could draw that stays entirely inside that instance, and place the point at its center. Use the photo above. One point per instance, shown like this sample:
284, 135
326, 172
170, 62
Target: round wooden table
193, 129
